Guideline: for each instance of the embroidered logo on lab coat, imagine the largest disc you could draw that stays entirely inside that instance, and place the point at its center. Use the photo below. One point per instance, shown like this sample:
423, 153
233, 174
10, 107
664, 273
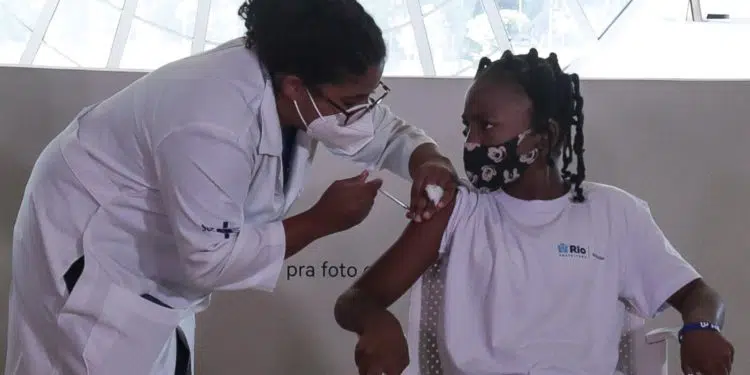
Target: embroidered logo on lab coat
225, 229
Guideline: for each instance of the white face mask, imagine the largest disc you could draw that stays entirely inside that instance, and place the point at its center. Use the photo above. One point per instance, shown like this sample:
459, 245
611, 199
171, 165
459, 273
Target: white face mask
339, 138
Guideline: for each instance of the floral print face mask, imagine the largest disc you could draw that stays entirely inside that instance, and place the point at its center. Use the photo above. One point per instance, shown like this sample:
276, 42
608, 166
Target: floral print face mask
490, 168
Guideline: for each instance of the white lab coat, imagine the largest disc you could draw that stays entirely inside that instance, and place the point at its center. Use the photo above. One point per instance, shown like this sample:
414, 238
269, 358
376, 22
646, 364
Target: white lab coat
143, 186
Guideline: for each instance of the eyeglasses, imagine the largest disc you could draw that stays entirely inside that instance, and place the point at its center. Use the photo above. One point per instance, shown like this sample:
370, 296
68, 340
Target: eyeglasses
357, 112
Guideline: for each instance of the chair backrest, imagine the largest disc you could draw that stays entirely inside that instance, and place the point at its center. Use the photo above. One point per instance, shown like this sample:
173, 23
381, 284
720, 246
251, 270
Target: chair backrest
638, 356
644, 352
631, 340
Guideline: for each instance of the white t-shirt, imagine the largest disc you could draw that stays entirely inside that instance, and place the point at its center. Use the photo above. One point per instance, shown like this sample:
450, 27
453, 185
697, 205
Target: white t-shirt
535, 287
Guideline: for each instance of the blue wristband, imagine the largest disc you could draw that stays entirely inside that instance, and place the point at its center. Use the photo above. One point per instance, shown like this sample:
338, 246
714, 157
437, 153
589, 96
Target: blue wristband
697, 326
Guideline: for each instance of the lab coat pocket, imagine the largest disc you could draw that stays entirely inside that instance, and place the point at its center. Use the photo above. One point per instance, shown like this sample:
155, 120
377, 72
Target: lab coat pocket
130, 334
79, 313
109, 330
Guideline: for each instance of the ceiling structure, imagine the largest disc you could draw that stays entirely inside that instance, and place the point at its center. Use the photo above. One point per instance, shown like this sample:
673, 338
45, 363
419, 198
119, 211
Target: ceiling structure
425, 37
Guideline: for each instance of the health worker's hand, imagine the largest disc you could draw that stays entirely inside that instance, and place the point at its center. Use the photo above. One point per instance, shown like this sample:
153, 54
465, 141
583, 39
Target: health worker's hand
347, 202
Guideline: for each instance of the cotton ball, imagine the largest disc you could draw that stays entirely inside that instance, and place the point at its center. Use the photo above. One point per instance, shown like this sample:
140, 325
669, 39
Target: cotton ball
435, 193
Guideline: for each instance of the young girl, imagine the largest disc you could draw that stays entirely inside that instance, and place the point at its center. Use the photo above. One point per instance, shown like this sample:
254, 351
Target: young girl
538, 265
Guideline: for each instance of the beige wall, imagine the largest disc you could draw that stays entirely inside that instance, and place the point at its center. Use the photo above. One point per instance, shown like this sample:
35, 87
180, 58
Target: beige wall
679, 145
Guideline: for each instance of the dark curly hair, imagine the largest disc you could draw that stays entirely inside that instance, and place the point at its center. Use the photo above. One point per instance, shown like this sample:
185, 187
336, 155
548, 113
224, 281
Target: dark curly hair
554, 95
319, 41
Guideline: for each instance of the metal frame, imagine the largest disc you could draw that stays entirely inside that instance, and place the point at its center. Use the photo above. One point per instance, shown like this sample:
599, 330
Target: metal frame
580, 17
201, 26
416, 22
497, 25
420, 34
695, 10
615, 19
122, 33
37, 34
696, 13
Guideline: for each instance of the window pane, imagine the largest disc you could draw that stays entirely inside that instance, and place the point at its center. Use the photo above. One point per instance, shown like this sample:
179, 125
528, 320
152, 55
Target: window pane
117, 3
734, 8
174, 15
460, 34
471, 70
13, 37
429, 6
547, 28
83, 30
403, 55
223, 22
601, 13
670, 10
388, 14
393, 18
149, 47
27, 11
47, 56
209, 46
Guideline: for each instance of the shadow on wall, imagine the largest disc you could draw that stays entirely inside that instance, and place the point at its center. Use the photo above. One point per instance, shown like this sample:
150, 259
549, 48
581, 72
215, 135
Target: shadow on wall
725, 185
12, 192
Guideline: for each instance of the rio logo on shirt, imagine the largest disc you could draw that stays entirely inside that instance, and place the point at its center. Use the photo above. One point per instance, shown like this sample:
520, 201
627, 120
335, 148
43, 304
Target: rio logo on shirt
567, 250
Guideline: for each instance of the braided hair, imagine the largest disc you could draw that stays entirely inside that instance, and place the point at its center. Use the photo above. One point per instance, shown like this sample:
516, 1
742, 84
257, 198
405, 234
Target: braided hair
554, 95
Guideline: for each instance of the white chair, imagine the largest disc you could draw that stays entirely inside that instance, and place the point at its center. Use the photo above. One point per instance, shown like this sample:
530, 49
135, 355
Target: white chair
642, 352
